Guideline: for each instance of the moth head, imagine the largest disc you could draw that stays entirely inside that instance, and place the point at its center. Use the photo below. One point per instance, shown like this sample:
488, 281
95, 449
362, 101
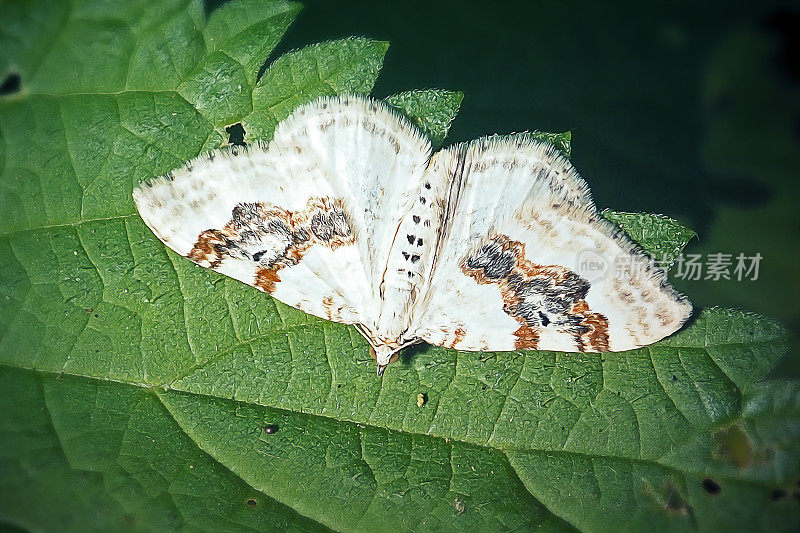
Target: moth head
383, 355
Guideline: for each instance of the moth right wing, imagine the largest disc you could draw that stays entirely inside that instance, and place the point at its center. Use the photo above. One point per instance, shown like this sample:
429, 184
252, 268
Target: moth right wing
513, 269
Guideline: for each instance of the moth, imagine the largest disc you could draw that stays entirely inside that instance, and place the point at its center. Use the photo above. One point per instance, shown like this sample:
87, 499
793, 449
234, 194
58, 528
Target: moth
347, 214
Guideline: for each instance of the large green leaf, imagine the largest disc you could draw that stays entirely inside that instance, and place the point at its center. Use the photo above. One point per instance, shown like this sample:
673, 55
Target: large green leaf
143, 392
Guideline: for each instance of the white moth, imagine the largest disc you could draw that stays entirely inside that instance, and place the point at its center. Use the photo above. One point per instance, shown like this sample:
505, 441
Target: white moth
347, 215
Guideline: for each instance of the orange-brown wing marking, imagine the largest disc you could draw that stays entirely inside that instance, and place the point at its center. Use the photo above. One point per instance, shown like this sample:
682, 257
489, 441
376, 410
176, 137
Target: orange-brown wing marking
537, 296
274, 238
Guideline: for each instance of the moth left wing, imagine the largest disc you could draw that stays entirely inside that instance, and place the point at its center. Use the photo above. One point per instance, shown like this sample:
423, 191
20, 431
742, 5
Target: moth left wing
308, 217
239, 212
526, 262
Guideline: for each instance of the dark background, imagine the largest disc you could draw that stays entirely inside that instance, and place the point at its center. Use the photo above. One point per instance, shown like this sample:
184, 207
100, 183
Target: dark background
677, 108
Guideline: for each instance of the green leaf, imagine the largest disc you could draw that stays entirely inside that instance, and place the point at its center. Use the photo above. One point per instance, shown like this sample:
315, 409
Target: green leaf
248, 31
431, 110
101, 456
219, 89
357, 477
346, 66
660, 236
561, 141
137, 386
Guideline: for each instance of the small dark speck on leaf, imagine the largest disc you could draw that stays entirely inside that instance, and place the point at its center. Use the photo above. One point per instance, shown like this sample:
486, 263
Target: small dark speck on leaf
270, 429
674, 377
711, 486
252, 502
777, 495
236, 134
96, 315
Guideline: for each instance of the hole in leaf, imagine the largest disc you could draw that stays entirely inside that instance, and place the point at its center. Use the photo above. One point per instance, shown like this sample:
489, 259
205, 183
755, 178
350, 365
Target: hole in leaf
270, 429
236, 134
252, 502
711, 486
11, 84
777, 495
